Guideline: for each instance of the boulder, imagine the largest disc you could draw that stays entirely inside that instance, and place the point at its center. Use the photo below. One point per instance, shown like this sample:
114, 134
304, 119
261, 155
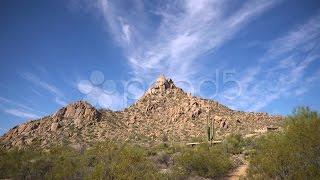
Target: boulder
78, 123
54, 126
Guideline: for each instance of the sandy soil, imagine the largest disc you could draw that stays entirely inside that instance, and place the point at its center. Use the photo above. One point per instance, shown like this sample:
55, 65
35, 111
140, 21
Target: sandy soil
238, 172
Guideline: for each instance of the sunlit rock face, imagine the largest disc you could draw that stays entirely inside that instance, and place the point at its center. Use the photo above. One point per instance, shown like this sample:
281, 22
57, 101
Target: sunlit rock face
78, 110
163, 111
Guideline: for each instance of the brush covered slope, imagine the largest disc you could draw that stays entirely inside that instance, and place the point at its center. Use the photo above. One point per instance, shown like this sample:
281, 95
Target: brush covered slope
164, 111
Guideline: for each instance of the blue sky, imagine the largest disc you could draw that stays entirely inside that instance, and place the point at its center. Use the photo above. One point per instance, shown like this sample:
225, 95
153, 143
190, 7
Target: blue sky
255, 55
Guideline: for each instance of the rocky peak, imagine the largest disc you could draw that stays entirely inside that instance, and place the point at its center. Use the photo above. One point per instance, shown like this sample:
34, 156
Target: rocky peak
164, 110
161, 85
162, 81
78, 110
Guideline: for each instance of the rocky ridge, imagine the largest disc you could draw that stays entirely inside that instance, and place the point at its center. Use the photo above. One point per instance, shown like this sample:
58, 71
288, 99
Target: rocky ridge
164, 111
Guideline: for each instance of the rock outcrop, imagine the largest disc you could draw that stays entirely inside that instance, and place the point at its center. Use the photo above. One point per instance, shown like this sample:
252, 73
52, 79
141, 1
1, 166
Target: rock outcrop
78, 110
164, 111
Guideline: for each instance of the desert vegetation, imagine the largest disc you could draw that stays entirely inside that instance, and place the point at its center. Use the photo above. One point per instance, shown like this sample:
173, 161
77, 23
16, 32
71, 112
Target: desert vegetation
292, 153
110, 160
204, 161
105, 160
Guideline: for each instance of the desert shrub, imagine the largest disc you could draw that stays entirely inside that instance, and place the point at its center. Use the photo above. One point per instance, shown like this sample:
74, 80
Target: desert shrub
170, 149
292, 154
165, 140
59, 163
65, 161
234, 143
102, 161
13, 163
163, 158
131, 163
111, 161
199, 139
203, 161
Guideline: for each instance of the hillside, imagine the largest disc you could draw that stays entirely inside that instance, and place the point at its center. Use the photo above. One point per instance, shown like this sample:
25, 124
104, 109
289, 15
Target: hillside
164, 112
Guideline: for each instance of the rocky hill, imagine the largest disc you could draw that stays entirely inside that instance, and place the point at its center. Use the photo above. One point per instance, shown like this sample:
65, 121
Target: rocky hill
164, 112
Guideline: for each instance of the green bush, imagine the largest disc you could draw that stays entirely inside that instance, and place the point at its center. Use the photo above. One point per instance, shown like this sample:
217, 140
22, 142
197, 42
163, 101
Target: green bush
110, 161
292, 154
102, 161
203, 161
234, 143
58, 163
66, 163
16, 163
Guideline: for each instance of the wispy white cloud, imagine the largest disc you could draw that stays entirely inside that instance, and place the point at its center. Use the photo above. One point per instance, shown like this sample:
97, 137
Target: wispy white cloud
99, 97
126, 33
45, 85
302, 39
60, 101
18, 109
281, 71
15, 103
85, 86
37, 81
314, 77
35, 91
186, 31
116, 24
113, 101
2, 99
21, 113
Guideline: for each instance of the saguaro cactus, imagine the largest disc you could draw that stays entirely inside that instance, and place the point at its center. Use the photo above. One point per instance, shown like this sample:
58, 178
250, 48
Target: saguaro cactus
210, 129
